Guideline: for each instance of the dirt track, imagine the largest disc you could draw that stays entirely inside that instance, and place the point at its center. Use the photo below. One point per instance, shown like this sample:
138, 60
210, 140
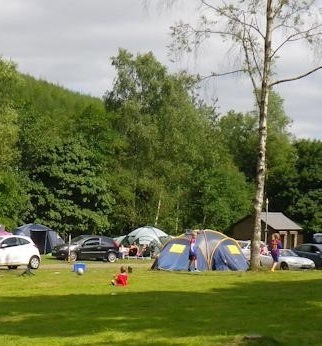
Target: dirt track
97, 264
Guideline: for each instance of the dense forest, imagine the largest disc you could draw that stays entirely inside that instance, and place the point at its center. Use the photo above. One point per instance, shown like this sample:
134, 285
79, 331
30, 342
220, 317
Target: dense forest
149, 152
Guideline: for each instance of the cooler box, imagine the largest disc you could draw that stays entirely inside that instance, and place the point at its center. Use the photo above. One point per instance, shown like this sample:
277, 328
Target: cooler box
79, 265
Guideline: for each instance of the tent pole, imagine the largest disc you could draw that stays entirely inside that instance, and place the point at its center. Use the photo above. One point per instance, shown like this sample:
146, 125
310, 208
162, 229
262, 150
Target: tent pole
158, 210
69, 242
45, 243
206, 242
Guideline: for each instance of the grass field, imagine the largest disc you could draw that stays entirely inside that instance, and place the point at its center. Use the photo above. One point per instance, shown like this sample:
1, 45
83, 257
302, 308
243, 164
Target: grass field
58, 307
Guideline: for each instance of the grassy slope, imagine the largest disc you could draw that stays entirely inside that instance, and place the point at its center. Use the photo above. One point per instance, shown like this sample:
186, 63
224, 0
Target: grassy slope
57, 307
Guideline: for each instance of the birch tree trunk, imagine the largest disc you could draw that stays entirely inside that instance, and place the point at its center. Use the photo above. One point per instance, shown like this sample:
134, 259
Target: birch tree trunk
261, 159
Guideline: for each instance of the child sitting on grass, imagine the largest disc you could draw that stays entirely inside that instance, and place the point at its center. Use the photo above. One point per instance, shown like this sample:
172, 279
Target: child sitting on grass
121, 278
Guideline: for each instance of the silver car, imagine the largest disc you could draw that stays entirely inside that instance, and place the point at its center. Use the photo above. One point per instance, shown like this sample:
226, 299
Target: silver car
288, 259
245, 246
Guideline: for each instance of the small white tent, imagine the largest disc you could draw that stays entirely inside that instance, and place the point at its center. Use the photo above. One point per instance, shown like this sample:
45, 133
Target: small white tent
147, 235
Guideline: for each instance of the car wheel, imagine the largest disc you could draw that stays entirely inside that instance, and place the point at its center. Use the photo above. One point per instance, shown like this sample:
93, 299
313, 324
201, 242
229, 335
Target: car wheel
12, 267
73, 256
111, 257
34, 262
284, 266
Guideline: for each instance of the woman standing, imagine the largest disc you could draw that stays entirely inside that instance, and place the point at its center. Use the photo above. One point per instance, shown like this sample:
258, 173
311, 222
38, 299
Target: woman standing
275, 246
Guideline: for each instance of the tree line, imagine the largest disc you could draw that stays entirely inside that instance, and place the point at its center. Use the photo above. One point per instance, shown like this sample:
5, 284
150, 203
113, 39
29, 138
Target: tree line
149, 152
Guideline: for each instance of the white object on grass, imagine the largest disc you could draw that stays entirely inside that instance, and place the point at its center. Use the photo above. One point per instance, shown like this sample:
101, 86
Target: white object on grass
80, 271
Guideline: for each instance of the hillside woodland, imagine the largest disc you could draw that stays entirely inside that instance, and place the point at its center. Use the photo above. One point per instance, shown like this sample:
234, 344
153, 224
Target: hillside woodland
149, 152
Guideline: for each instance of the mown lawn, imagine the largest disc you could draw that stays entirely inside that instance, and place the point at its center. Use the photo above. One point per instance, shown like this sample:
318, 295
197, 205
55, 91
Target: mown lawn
58, 307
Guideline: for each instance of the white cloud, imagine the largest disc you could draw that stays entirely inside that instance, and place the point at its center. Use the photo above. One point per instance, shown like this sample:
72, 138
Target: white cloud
70, 42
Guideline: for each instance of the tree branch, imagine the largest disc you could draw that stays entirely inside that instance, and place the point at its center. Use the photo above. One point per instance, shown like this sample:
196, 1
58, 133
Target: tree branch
213, 74
295, 78
297, 36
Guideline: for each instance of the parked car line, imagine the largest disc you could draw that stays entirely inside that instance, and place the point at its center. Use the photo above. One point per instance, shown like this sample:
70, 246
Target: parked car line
288, 259
88, 247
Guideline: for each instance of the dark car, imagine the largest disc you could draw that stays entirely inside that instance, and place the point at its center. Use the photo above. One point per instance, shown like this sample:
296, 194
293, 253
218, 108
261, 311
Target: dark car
312, 251
88, 247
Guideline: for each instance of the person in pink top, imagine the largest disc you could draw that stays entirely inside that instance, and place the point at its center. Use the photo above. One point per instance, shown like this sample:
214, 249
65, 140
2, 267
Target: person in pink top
275, 246
120, 279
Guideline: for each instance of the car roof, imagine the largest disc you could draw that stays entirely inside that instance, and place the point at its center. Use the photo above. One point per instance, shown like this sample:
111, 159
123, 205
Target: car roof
312, 244
92, 236
247, 241
86, 236
6, 236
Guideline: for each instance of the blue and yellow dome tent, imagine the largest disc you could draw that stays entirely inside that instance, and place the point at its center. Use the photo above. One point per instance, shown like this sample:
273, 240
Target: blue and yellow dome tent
215, 251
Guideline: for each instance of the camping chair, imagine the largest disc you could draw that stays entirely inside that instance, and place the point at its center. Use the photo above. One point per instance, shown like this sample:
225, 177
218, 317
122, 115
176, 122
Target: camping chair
144, 252
133, 252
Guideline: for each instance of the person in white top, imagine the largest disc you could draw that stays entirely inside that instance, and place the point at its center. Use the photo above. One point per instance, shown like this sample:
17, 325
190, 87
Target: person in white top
193, 252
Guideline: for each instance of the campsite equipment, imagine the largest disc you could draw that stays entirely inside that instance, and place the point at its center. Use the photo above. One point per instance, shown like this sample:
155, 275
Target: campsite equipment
79, 268
146, 235
44, 237
150, 237
215, 251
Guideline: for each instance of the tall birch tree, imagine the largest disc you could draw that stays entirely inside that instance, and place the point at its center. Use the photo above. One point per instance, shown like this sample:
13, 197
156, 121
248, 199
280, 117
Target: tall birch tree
262, 30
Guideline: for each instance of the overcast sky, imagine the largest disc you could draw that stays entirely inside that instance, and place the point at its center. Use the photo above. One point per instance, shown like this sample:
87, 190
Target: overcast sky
70, 43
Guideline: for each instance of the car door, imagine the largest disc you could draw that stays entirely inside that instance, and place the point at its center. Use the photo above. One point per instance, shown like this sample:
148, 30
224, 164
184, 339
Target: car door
11, 252
266, 260
308, 251
90, 249
107, 246
317, 254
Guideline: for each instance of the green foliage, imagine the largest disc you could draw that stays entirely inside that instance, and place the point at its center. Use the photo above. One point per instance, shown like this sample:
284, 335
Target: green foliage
69, 192
218, 198
13, 197
155, 154
305, 199
238, 133
167, 139
10, 82
14, 201
46, 97
297, 190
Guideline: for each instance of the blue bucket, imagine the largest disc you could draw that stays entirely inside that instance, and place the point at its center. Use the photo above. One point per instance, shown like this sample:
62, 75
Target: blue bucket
79, 266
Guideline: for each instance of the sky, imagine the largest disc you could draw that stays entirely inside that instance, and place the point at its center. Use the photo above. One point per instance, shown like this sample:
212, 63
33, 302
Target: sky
71, 42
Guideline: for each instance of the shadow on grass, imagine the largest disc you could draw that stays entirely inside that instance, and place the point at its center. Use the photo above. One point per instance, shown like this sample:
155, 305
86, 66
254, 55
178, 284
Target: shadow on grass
266, 313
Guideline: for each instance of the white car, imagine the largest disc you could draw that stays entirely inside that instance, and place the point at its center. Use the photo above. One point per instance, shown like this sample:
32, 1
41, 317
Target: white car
245, 246
288, 259
17, 250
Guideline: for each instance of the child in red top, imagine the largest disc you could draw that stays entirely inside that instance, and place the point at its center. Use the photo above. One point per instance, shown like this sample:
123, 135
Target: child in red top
121, 278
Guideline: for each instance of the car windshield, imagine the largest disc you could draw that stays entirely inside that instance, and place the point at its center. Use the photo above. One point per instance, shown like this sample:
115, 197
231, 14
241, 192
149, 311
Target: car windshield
243, 245
288, 252
77, 239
